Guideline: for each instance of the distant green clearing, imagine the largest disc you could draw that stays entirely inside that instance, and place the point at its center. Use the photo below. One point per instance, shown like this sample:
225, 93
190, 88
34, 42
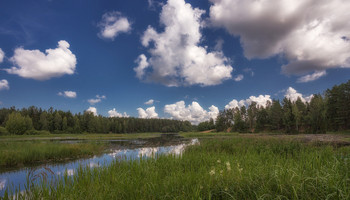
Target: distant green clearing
219, 168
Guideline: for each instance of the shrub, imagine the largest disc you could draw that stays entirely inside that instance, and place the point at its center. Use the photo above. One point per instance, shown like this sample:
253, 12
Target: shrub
17, 124
3, 131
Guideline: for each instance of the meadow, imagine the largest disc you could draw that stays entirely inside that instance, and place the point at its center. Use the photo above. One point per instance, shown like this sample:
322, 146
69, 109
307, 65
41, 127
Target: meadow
219, 168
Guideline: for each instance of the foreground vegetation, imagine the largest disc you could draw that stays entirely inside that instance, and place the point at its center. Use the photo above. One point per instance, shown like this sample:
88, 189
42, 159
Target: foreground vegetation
20, 153
234, 168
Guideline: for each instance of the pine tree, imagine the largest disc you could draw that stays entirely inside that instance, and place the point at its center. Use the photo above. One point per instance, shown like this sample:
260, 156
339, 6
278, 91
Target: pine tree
64, 124
44, 123
57, 121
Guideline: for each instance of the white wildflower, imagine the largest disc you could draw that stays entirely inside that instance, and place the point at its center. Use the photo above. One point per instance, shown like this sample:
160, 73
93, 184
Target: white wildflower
212, 172
228, 166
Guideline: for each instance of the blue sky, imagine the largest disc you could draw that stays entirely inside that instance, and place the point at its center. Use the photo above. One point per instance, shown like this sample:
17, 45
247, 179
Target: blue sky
204, 53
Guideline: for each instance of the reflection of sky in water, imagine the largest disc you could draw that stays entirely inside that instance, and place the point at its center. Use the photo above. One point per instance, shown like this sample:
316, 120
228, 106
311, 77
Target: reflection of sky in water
19, 177
2, 184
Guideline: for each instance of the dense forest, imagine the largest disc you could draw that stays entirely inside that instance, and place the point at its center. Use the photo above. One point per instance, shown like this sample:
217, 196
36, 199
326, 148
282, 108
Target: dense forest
327, 112
34, 121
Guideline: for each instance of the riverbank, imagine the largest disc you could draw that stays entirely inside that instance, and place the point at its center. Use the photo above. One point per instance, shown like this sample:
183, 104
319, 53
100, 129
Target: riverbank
219, 168
29, 151
17, 151
336, 139
90, 136
14, 154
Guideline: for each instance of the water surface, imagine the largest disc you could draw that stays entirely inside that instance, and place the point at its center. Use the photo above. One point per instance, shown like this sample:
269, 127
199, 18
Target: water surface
117, 149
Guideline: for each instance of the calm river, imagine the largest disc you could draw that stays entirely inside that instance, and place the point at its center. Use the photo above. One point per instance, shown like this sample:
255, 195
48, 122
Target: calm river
117, 149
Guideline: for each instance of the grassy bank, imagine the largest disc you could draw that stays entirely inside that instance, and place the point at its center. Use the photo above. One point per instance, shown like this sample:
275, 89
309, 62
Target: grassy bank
207, 134
89, 136
226, 168
19, 153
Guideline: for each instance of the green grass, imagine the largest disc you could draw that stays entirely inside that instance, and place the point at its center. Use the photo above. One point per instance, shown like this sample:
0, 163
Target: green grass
89, 136
222, 168
207, 135
20, 153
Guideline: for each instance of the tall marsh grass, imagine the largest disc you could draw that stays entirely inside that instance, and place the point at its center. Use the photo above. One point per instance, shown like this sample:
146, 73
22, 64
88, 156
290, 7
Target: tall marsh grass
19, 153
236, 168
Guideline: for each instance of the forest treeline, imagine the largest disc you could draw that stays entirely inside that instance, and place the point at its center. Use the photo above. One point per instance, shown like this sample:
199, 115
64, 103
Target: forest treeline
35, 121
327, 112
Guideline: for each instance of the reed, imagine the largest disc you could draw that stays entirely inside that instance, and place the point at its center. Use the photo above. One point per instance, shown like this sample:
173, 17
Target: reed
19, 153
235, 168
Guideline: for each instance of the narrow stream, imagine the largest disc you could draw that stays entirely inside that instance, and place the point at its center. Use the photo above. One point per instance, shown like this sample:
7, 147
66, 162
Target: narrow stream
118, 149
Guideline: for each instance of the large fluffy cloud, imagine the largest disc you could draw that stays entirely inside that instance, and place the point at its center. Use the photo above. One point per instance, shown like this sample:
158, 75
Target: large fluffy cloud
2, 55
68, 94
112, 24
115, 113
293, 95
193, 112
175, 55
234, 104
92, 110
4, 84
313, 35
260, 100
148, 113
43, 66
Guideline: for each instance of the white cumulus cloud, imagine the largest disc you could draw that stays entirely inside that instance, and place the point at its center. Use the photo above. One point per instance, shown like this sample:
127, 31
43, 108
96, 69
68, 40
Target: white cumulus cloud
239, 77
312, 35
149, 102
311, 77
148, 113
115, 113
176, 58
293, 95
37, 65
2, 55
142, 64
260, 100
112, 24
234, 104
4, 84
97, 100
193, 112
93, 110
68, 94
94, 101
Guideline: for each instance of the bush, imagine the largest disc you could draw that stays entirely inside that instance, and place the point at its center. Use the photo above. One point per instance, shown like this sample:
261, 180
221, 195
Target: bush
17, 124
3, 131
